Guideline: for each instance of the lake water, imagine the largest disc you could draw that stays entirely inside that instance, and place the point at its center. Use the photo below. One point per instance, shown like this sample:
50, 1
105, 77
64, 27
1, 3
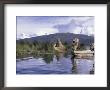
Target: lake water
53, 64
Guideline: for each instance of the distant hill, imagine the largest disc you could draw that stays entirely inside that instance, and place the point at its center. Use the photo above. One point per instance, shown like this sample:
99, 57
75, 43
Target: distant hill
65, 37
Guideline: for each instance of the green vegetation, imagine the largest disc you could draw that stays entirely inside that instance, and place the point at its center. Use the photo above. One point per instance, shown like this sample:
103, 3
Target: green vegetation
25, 48
31, 48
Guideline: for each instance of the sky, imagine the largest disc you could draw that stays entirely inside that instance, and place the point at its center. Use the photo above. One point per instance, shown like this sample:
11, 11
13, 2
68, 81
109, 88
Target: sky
45, 25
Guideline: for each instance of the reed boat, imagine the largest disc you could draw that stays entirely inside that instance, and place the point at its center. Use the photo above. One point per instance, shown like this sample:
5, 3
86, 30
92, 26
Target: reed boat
59, 47
84, 54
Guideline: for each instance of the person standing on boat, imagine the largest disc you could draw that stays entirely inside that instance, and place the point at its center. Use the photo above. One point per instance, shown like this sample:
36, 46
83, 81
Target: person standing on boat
92, 47
75, 44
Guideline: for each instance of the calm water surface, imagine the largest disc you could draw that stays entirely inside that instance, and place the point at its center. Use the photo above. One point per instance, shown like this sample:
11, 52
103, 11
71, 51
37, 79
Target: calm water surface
53, 64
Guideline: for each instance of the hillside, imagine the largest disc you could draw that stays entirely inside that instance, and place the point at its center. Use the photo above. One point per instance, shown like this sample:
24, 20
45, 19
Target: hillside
65, 37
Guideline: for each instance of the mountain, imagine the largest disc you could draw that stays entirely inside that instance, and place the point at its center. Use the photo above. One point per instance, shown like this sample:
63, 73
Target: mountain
23, 36
65, 37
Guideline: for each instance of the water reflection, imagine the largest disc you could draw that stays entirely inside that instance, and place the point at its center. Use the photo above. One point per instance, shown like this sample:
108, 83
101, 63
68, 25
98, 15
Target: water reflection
74, 66
58, 63
73, 61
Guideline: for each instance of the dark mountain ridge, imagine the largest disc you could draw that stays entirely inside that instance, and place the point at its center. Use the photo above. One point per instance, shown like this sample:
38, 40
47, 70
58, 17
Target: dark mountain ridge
64, 37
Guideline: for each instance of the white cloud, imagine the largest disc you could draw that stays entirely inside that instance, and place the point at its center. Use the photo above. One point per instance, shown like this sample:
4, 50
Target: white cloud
34, 31
77, 30
78, 25
82, 18
45, 31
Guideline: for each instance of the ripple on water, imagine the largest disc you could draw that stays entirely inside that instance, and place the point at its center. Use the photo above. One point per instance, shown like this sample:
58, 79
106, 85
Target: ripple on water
61, 66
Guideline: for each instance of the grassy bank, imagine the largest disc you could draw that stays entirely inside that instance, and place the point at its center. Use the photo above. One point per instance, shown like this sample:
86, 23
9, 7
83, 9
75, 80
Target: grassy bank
24, 48
33, 48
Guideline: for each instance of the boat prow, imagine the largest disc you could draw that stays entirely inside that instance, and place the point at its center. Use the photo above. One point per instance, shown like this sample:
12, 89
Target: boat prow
59, 49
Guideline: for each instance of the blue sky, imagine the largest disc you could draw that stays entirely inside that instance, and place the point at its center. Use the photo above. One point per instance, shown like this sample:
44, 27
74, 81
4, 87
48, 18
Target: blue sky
44, 25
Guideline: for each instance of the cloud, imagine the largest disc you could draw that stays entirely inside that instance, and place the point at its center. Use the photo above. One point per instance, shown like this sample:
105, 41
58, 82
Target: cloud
77, 26
42, 25
69, 27
44, 20
45, 31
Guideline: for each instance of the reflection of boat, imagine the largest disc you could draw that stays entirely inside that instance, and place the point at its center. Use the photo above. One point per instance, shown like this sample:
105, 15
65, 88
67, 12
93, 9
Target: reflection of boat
59, 46
92, 71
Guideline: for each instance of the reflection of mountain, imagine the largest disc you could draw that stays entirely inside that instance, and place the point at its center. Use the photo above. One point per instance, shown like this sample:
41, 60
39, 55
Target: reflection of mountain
65, 37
